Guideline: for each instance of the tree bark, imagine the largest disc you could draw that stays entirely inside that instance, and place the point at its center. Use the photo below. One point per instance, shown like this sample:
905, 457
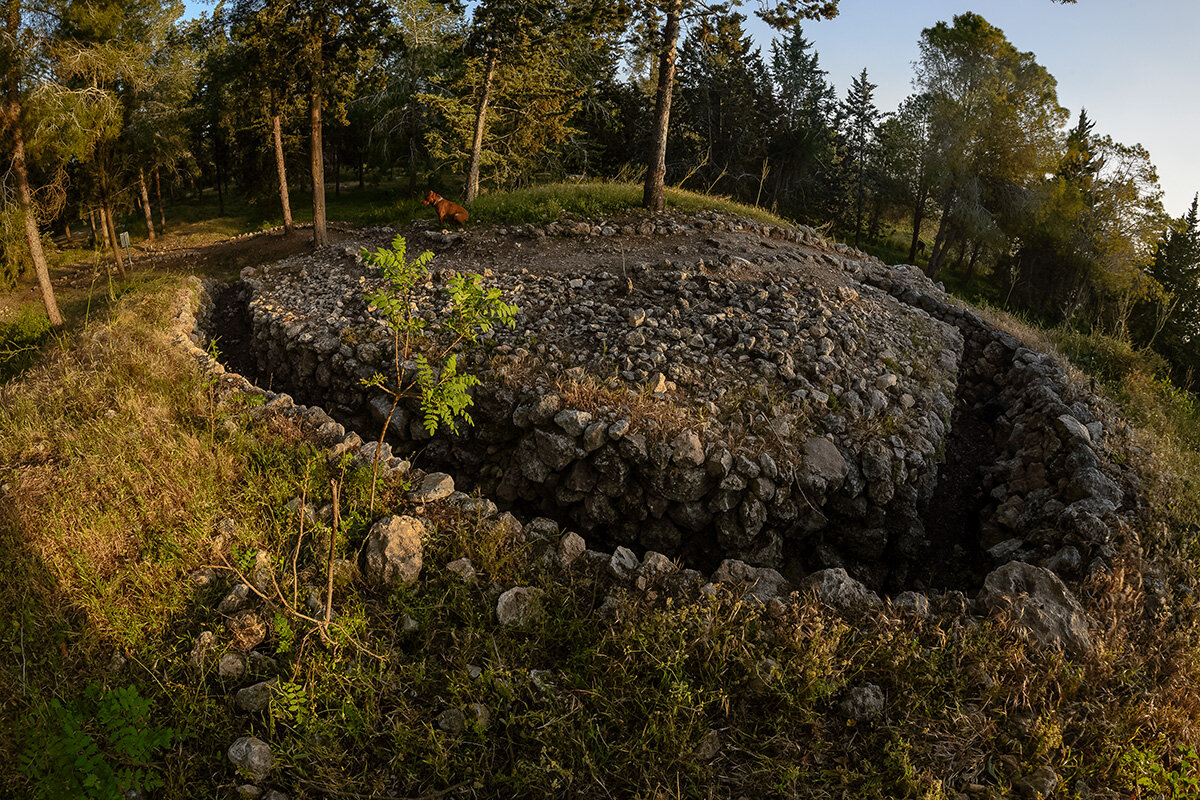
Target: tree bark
92, 224
337, 171
489, 75
220, 191
67, 230
917, 218
146, 204
654, 196
104, 228
939, 242
280, 165
320, 235
975, 251
12, 120
162, 211
106, 211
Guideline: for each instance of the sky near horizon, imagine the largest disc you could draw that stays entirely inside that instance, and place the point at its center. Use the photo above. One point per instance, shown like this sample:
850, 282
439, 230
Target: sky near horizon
1131, 63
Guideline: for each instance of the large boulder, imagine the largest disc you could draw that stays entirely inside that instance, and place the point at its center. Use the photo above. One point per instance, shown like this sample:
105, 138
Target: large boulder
824, 467
392, 556
1040, 604
834, 587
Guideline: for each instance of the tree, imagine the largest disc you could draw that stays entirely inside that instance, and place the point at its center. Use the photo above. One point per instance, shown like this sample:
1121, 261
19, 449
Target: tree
335, 45
861, 117
531, 97
779, 14
725, 104
14, 48
1176, 267
429, 31
108, 52
995, 118
804, 144
526, 36
270, 69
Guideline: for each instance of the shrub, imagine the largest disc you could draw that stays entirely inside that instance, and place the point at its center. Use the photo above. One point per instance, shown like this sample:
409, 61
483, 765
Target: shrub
97, 747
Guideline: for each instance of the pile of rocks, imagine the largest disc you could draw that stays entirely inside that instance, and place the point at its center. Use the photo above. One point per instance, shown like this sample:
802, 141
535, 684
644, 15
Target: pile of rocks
795, 419
1034, 599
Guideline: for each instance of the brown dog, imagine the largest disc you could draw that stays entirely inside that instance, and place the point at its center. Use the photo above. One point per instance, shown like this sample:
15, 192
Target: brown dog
445, 209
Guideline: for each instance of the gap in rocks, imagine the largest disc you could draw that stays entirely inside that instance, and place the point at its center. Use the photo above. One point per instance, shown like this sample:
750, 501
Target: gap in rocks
952, 517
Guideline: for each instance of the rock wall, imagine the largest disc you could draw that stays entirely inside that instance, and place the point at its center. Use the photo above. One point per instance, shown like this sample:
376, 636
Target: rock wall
1053, 493
827, 455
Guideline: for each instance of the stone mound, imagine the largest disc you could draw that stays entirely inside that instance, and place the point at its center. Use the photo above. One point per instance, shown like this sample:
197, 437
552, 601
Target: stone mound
798, 406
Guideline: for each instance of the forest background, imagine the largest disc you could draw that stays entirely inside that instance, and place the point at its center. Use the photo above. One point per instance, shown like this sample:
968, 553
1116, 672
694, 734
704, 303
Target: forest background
114, 110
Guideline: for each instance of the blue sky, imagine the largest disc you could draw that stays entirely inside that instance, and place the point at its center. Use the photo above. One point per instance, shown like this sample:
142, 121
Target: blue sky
1132, 63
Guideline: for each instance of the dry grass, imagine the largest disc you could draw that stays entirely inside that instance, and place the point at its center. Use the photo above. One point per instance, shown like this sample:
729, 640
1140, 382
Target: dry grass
108, 465
103, 516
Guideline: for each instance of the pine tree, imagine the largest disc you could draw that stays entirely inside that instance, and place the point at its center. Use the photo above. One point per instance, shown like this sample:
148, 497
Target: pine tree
1177, 268
779, 14
803, 147
861, 118
14, 49
805, 97
725, 102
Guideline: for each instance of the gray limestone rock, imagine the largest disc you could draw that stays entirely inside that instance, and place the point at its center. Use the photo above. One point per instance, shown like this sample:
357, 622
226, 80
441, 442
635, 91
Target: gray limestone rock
837, 589
392, 555
519, 606
570, 548
1040, 604
864, 702
251, 757
434, 486
256, 697
687, 449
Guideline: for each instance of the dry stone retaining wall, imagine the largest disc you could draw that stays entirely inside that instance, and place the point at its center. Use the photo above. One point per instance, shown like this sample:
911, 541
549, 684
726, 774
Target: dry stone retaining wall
853, 485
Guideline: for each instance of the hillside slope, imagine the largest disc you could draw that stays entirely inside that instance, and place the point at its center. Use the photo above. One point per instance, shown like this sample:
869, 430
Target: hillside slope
173, 531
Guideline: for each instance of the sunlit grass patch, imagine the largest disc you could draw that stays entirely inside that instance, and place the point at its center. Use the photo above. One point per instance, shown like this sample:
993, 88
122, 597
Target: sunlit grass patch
593, 199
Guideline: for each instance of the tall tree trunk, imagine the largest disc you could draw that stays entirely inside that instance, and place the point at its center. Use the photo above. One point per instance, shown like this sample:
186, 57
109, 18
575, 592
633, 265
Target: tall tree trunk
92, 224
320, 235
146, 204
858, 206
917, 218
939, 242
485, 97
280, 166
106, 210
162, 211
220, 191
654, 196
962, 254
12, 120
67, 230
975, 251
104, 228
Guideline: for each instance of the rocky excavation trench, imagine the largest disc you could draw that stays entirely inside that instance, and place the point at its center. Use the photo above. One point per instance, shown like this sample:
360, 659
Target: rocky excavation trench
710, 388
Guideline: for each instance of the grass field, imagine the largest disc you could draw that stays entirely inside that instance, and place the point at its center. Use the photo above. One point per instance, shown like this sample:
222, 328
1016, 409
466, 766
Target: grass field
119, 464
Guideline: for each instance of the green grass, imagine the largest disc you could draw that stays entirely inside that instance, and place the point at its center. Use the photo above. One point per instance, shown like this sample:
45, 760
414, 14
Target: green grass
21, 339
105, 514
548, 202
